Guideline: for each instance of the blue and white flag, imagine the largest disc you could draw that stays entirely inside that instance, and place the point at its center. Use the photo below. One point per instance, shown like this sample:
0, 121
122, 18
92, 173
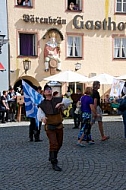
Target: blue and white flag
31, 98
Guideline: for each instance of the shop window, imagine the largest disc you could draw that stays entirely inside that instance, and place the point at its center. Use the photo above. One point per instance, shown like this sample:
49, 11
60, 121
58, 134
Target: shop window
74, 5
74, 46
25, 3
121, 6
27, 44
120, 48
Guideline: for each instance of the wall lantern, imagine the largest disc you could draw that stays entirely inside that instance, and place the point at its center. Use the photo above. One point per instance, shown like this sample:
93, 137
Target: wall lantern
27, 65
1, 41
77, 66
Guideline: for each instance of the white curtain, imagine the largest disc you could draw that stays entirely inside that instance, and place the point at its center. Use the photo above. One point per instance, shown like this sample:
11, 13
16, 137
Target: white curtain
124, 46
74, 46
70, 46
77, 46
117, 48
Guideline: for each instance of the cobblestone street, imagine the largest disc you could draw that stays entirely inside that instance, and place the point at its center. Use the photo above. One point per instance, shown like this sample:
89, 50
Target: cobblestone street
24, 165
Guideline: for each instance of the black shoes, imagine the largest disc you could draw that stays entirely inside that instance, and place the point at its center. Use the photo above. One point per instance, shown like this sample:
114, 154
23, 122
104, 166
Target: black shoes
31, 140
3, 122
55, 160
75, 128
56, 168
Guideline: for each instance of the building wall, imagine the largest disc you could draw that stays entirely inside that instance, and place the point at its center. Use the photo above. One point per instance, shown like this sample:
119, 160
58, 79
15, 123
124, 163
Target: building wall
4, 76
97, 54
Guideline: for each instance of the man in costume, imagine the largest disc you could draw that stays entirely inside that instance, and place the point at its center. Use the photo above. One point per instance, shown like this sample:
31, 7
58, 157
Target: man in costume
50, 113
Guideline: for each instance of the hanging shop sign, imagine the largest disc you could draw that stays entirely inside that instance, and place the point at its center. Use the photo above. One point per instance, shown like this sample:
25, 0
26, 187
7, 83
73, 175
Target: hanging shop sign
42, 20
106, 24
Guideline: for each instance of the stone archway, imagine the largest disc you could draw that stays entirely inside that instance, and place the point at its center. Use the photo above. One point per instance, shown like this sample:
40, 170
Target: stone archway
29, 79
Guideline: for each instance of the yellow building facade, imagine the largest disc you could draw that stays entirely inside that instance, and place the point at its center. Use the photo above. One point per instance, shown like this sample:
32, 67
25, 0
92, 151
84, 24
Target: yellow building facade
92, 33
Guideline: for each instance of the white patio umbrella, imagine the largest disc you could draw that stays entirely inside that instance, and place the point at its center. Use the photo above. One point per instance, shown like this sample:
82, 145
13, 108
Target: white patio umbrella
122, 77
102, 78
68, 76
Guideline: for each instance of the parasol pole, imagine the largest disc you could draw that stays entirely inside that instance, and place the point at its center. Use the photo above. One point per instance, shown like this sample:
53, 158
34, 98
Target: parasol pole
103, 96
75, 87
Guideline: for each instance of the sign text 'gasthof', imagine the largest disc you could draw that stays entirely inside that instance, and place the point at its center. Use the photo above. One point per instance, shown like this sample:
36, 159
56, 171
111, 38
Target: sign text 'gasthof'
79, 23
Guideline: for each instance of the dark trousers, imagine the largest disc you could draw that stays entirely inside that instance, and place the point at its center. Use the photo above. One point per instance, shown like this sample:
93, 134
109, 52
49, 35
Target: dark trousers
77, 117
4, 114
55, 142
124, 121
77, 120
34, 131
55, 139
12, 106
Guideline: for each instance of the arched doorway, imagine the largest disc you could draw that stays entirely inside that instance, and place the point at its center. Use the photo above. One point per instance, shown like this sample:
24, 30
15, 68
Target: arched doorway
30, 80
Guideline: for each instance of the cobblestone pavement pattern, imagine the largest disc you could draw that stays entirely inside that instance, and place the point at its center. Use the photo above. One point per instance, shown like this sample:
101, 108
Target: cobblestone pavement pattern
24, 165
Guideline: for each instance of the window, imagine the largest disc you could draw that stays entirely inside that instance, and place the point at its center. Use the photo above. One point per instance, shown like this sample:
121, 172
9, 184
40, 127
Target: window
121, 6
27, 44
74, 5
26, 3
74, 46
120, 48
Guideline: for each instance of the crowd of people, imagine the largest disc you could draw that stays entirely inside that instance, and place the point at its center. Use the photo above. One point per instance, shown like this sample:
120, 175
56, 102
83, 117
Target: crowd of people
86, 109
90, 112
110, 104
8, 104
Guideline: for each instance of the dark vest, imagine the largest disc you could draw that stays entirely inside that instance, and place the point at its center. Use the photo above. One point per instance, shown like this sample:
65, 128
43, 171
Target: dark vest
48, 106
11, 94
